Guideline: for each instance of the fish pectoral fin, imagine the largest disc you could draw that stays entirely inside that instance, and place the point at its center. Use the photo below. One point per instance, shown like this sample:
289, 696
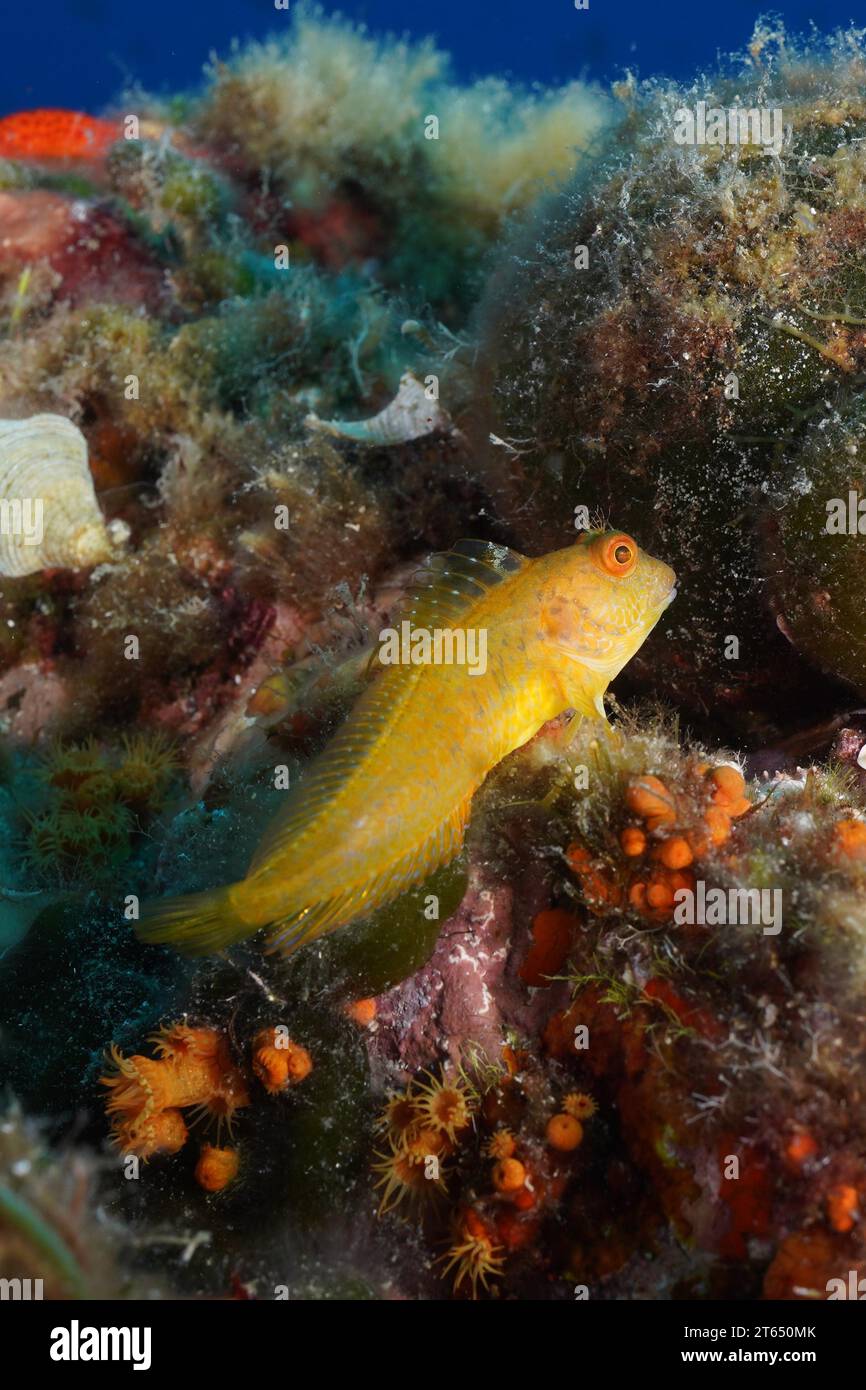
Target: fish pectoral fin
585, 706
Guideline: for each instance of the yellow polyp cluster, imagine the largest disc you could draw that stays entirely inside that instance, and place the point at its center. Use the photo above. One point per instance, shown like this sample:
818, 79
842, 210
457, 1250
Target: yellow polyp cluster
195, 1072
503, 1178
100, 798
78, 770
146, 767
86, 775
474, 1255
411, 1171
423, 1125
64, 837
446, 1106
667, 832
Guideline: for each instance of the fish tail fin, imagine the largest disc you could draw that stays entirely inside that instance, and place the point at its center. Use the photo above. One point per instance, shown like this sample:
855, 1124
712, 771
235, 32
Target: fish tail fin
197, 924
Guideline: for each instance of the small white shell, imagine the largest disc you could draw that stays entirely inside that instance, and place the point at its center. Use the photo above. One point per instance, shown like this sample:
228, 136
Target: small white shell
409, 416
49, 515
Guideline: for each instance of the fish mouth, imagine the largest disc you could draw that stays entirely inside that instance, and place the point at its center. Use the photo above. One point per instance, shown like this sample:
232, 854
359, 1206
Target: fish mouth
669, 598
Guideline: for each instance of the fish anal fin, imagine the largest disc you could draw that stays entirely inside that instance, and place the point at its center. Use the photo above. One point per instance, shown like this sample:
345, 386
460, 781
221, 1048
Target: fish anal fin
317, 919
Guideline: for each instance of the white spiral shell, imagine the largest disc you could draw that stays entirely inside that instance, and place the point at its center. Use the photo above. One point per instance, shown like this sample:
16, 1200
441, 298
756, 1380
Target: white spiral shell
411, 415
49, 515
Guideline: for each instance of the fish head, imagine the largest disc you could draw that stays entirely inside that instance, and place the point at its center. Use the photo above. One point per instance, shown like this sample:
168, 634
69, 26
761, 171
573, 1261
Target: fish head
602, 598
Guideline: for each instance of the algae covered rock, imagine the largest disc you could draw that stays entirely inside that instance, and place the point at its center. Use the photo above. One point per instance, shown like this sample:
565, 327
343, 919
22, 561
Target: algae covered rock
658, 344
373, 150
817, 558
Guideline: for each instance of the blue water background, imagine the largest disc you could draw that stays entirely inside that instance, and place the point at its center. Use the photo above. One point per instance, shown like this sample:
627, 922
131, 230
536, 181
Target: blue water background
80, 53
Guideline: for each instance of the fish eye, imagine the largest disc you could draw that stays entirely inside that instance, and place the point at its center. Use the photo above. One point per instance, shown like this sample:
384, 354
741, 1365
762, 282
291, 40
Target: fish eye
619, 555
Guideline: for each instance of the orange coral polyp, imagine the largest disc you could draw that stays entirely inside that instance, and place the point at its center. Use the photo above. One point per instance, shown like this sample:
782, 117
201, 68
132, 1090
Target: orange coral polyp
849, 838
362, 1012
843, 1203
580, 1105
718, 823
679, 879
400, 1115
676, 853
632, 841
271, 1067
445, 1106
474, 1256
216, 1168
801, 1147
649, 798
660, 895
578, 857
564, 1133
178, 1040
223, 1104
165, 1133
637, 894
509, 1175
196, 1072
142, 1086
501, 1145
406, 1173
727, 782
278, 1062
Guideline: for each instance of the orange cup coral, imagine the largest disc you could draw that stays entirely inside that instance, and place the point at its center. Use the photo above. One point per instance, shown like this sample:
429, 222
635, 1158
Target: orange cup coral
195, 1070
564, 1132
216, 1168
278, 1062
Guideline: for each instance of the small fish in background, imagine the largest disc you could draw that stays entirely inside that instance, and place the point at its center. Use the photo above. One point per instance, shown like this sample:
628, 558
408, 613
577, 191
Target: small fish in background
388, 800
52, 133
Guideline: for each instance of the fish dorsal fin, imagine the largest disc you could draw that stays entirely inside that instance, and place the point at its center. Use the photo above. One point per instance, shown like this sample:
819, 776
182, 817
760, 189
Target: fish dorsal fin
452, 580
315, 794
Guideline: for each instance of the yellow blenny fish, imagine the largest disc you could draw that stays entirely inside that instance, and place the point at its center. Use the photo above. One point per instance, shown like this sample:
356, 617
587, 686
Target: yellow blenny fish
388, 800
